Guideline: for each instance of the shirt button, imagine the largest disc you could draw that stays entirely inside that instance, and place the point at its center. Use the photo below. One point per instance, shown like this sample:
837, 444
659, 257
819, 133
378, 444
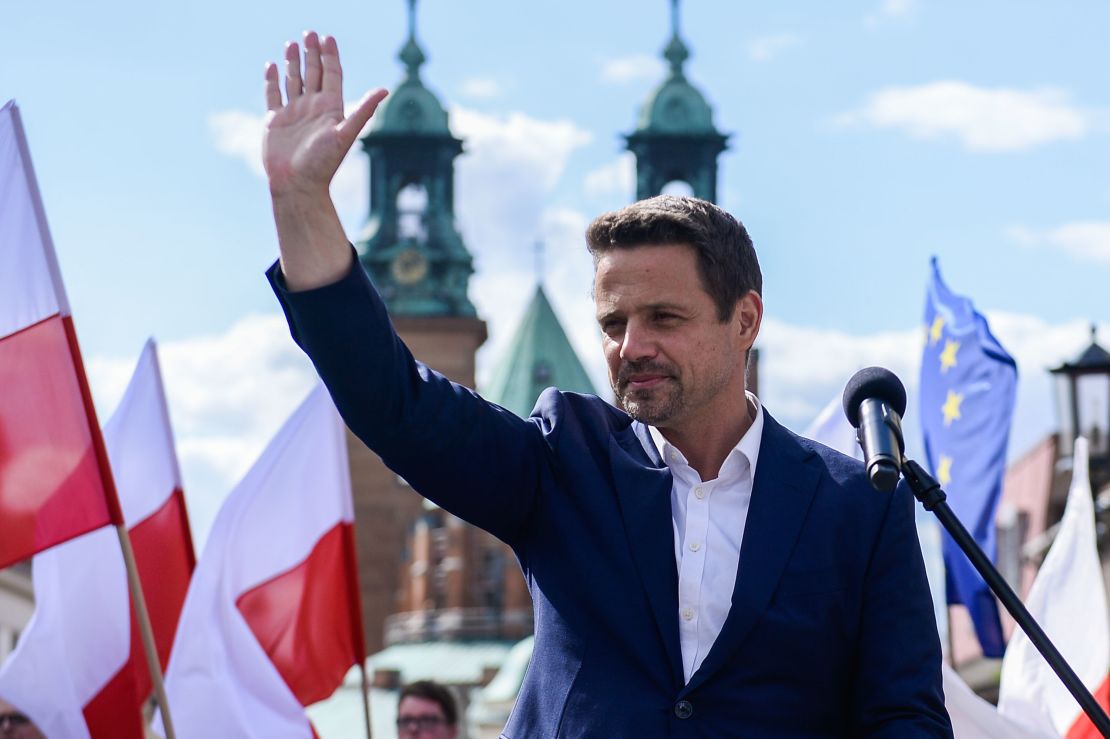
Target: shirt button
699, 493
695, 546
684, 709
687, 613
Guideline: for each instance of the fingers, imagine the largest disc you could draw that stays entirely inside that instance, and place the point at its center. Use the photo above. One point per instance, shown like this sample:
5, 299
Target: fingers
333, 73
353, 124
293, 86
272, 86
312, 70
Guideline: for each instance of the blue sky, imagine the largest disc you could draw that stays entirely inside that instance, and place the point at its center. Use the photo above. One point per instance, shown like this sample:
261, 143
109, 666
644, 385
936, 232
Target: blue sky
866, 136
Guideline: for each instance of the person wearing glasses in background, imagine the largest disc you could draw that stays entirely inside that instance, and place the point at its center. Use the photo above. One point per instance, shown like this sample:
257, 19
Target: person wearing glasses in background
14, 724
427, 711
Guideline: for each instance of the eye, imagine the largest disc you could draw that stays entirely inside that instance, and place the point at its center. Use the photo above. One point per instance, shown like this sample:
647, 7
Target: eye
612, 326
665, 317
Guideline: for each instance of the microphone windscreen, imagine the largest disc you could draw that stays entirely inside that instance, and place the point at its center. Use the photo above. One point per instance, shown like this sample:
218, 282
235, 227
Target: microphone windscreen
873, 382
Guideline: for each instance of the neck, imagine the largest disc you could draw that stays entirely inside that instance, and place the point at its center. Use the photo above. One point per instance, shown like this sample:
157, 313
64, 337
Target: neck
706, 443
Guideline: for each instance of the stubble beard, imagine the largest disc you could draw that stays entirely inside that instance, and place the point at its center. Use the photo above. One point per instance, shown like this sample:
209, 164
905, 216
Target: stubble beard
655, 406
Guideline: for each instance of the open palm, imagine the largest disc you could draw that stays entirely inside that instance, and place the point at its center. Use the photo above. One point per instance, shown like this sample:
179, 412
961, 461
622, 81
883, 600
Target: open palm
307, 137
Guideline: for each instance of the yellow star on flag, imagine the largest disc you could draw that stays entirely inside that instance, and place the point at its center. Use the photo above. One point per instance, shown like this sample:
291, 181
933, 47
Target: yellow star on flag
951, 407
944, 470
935, 330
948, 356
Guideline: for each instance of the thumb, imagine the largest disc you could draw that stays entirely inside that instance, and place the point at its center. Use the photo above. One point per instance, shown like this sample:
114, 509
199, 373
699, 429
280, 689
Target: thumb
353, 124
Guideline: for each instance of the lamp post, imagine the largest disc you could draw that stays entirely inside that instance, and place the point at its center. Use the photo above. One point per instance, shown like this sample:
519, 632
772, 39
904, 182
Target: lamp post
1083, 407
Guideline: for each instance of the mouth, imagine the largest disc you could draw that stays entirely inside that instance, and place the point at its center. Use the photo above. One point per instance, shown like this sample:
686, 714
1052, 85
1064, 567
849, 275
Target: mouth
645, 381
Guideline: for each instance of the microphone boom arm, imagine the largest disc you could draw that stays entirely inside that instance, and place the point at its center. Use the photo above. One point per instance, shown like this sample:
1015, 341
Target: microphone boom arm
932, 497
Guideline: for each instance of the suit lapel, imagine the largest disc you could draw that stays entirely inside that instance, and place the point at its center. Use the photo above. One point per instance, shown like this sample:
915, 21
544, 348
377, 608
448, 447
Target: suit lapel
784, 485
644, 490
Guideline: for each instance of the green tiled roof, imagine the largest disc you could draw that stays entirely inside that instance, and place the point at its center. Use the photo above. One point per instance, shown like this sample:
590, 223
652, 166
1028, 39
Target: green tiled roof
540, 356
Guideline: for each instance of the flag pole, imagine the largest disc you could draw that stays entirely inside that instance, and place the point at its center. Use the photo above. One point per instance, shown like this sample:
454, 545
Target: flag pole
142, 617
365, 698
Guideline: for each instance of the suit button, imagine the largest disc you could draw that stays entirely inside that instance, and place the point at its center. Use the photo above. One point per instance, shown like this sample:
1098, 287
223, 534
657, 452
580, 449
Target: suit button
684, 709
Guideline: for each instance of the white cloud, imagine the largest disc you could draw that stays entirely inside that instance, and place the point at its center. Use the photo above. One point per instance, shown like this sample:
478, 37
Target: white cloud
802, 368
481, 88
634, 68
765, 48
511, 166
889, 10
982, 119
618, 177
227, 393
239, 135
1087, 241
501, 295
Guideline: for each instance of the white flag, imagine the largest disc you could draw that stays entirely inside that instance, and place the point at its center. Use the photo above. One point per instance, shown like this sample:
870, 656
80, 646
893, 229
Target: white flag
270, 623
78, 670
1068, 600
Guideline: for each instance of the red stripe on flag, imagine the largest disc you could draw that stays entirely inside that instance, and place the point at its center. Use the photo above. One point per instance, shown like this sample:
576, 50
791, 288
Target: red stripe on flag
164, 557
355, 596
116, 711
1083, 728
302, 619
51, 487
111, 497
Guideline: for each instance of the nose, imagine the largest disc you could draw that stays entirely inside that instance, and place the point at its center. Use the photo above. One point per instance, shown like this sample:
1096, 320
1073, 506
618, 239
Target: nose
638, 343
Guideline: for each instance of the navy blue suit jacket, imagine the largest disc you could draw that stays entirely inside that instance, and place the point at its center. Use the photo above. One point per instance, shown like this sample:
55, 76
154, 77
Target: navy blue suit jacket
831, 630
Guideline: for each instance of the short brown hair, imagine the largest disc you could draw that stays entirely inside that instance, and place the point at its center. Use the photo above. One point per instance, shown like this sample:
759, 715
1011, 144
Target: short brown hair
727, 263
433, 691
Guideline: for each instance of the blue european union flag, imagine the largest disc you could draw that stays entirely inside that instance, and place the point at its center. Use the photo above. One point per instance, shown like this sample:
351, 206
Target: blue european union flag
968, 383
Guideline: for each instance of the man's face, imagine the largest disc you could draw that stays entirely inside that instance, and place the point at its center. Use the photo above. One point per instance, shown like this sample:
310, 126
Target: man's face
424, 719
14, 724
671, 360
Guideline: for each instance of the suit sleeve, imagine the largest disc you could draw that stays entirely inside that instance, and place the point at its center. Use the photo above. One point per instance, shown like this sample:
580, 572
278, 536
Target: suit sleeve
897, 689
473, 458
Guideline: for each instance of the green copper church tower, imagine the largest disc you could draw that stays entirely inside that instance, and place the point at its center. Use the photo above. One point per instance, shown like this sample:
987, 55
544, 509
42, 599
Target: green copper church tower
410, 245
540, 356
675, 139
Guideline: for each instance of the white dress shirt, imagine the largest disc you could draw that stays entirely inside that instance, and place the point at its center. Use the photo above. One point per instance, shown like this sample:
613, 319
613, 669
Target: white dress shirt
708, 518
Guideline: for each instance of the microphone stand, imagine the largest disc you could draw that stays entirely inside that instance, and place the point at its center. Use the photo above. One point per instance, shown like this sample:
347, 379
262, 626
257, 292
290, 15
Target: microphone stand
932, 497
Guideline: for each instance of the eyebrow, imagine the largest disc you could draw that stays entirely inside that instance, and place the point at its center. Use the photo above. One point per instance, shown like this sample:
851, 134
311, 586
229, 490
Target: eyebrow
675, 307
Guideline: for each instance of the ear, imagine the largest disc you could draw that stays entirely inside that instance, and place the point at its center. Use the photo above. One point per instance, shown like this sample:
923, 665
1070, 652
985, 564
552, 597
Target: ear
747, 317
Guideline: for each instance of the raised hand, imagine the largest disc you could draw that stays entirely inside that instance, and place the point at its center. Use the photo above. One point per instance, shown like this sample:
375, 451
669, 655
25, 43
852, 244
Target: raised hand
308, 136
306, 139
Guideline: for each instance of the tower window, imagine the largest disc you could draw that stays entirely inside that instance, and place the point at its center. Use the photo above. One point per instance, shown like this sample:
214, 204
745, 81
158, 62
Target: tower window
678, 187
412, 208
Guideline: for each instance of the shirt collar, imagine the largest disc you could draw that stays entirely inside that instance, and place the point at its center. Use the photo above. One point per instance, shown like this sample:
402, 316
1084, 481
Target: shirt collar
747, 447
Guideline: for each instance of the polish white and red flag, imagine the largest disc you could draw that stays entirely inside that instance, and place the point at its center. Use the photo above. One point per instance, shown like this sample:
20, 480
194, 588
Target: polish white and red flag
54, 484
1068, 600
79, 669
272, 620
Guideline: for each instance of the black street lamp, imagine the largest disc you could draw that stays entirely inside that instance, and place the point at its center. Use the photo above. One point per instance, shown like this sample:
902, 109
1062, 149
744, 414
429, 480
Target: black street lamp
1083, 402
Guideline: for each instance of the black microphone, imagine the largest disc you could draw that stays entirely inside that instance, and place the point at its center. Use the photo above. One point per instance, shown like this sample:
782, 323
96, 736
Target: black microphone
874, 401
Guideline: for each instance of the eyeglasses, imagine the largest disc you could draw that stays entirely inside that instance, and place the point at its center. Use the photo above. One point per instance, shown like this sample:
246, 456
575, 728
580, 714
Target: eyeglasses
420, 723
13, 720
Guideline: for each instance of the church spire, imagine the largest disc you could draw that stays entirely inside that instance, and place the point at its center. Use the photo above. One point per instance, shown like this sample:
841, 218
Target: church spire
675, 140
675, 51
411, 55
